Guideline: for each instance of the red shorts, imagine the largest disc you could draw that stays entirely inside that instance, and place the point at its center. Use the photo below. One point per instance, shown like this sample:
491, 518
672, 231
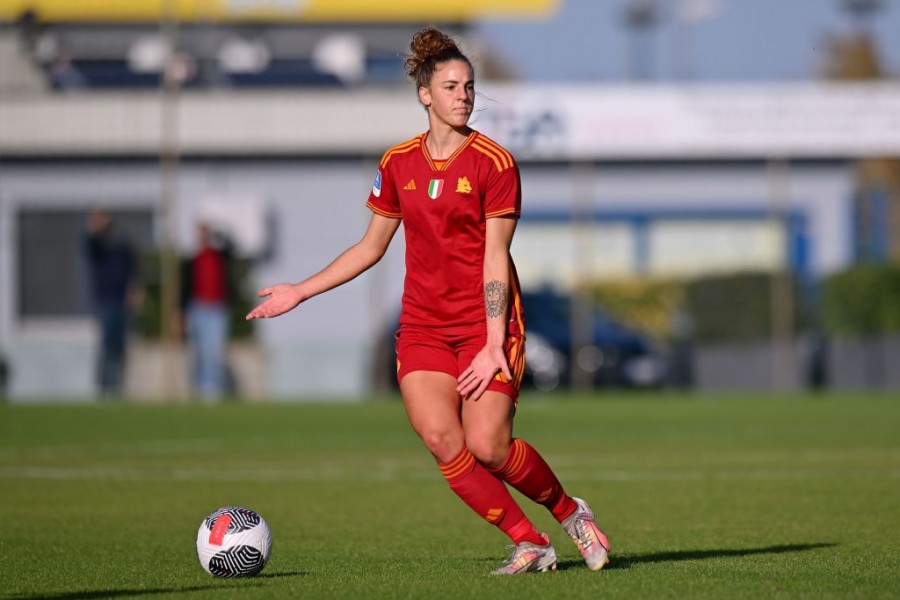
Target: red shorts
451, 350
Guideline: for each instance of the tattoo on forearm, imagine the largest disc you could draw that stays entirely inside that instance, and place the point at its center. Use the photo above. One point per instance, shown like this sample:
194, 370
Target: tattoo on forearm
495, 298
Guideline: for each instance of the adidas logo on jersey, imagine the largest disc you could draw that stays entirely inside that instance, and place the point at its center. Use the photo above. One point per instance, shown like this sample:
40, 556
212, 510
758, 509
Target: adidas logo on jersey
411, 185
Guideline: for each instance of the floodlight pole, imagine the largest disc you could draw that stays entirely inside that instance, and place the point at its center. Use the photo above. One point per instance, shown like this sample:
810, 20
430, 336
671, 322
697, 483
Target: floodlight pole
683, 51
640, 16
781, 294
581, 319
5, 281
169, 166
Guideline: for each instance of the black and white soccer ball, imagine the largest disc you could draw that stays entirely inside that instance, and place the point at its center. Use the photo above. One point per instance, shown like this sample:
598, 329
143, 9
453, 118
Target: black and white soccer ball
234, 541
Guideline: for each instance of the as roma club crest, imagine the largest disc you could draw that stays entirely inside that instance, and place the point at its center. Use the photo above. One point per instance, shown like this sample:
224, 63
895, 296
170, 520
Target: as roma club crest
435, 188
463, 186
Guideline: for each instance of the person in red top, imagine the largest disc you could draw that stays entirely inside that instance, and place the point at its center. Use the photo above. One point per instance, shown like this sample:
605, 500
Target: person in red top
206, 297
460, 346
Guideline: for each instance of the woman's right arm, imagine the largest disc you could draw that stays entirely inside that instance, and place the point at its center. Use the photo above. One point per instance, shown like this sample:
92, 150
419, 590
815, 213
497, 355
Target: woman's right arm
351, 263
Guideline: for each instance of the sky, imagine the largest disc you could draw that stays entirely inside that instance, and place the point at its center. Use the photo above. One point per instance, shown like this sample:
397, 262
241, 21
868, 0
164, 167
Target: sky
747, 40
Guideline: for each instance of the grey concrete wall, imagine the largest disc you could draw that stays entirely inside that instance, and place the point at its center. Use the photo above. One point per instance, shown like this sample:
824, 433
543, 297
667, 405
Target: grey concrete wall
864, 363
751, 366
870, 363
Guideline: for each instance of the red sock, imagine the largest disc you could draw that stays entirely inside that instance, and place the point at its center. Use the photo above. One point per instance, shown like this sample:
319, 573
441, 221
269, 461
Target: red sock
525, 470
487, 496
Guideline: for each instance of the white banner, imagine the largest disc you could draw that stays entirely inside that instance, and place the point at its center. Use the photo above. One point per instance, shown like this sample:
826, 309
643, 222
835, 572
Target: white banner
809, 120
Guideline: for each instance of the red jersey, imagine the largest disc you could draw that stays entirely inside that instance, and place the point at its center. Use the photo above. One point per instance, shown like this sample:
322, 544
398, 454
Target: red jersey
208, 280
444, 206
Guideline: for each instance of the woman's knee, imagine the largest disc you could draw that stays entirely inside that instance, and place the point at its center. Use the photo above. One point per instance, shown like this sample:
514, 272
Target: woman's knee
491, 452
444, 444
432, 406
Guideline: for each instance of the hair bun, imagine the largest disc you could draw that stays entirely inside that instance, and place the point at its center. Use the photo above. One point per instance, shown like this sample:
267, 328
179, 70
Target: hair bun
427, 47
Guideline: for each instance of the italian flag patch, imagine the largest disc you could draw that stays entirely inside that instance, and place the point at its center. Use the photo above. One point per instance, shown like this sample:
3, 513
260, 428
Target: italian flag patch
435, 187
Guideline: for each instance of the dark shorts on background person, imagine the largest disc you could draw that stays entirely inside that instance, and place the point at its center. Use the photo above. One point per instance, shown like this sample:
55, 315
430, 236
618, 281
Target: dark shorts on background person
451, 350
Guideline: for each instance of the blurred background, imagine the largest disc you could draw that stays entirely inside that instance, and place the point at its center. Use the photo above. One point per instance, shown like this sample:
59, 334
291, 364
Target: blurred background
711, 189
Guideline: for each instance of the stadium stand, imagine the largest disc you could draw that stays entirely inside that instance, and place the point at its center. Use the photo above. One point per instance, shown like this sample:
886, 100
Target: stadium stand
70, 56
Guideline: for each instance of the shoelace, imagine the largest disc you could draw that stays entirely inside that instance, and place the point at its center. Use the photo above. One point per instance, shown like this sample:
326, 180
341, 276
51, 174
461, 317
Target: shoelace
582, 532
514, 555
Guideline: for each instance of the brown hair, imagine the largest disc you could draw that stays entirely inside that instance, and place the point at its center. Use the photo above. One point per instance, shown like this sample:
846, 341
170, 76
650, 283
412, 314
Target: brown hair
429, 48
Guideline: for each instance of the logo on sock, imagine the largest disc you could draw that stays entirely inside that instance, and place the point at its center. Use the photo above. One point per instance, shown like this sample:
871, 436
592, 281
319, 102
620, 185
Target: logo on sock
544, 495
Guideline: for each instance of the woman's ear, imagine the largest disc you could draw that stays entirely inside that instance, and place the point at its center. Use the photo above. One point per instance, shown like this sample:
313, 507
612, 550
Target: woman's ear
425, 96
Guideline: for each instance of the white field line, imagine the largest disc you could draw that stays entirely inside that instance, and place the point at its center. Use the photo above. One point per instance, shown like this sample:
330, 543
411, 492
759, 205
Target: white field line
824, 456
387, 472
192, 447
143, 448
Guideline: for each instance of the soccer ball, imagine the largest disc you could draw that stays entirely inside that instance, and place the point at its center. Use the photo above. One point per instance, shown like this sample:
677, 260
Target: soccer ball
234, 541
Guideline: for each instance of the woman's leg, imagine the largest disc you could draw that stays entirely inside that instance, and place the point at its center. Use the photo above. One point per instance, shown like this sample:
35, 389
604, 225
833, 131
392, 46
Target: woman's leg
528, 472
433, 407
488, 425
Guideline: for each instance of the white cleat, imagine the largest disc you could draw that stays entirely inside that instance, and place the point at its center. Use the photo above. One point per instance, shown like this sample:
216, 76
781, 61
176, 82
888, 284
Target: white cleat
527, 557
591, 542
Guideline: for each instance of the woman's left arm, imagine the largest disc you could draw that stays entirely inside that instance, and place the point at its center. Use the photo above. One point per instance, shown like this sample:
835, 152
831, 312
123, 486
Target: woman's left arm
474, 380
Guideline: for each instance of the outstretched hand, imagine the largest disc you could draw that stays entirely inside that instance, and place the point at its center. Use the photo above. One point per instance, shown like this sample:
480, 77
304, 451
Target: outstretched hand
282, 298
474, 380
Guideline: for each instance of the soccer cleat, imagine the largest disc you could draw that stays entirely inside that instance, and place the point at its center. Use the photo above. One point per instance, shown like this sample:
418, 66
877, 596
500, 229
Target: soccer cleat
583, 530
527, 557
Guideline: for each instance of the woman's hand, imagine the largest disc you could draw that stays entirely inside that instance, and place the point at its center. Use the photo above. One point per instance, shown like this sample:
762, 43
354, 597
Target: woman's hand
475, 379
282, 298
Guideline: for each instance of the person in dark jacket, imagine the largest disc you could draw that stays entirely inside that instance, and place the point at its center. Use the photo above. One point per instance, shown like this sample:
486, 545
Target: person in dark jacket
112, 268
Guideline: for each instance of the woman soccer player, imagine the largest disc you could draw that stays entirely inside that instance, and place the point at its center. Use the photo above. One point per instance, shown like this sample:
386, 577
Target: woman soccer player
460, 347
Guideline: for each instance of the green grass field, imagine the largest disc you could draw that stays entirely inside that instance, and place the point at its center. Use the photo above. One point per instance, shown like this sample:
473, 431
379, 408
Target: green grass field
718, 498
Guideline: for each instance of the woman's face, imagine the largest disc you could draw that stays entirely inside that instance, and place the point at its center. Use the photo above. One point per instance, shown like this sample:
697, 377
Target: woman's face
451, 95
